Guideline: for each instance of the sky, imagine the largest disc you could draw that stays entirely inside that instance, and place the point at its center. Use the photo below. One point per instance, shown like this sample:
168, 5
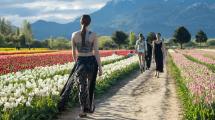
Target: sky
61, 11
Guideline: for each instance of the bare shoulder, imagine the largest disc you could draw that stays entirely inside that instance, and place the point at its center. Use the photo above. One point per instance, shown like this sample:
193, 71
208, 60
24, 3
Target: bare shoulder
75, 33
93, 35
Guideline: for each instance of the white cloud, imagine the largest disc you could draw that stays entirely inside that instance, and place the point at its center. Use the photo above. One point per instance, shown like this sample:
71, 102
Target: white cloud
51, 10
60, 5
60, 17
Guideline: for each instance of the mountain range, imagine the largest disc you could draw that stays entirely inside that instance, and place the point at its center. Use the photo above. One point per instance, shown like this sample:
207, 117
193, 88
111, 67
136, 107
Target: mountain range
143, 16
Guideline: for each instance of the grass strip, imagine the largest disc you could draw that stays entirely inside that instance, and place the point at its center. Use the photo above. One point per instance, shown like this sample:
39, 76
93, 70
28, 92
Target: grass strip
209, 66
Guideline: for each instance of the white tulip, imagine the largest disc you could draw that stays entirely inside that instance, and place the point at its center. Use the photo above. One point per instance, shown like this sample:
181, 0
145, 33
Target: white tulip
39, 82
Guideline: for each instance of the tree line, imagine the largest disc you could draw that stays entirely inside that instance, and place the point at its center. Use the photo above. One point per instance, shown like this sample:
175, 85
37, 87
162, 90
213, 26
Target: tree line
182, 36
121, 40
22, 37
11, 36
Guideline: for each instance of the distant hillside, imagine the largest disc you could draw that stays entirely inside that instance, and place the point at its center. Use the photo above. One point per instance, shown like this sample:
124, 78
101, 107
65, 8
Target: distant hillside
140, 16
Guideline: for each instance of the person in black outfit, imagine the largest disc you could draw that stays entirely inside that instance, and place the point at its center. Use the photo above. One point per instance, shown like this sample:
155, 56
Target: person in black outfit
150, 38
87, 64
158, 54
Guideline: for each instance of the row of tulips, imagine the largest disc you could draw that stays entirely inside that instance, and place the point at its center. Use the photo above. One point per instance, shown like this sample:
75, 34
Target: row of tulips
200, 82
199, 55
46, 72
22, 49
26, 52
210, 55
37, 98
14, 63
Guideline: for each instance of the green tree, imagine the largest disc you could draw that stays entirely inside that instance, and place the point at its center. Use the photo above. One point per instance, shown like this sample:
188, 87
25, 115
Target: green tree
61, 43
27, 31
201, 37
182, 35
9, 39
45, 44
5, 27
50, 42
57, 43
17, 39
105, 43
37, 44
2, 41
211, 42
120, 38
22, 40
132, 39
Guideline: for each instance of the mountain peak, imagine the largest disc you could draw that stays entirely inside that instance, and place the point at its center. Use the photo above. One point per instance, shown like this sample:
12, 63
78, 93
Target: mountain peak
40, 21
140, 16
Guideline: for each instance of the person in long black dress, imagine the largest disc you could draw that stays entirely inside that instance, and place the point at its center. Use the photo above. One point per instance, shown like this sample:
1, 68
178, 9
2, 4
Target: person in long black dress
158, 54
150, 38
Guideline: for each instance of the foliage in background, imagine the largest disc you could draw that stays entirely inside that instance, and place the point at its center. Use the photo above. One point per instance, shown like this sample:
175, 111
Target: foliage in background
201, 37
120, 38
59, 43
211, 42
11, 36
106, 43
181, 36
171, 44
191, 44
132, 40
27, 32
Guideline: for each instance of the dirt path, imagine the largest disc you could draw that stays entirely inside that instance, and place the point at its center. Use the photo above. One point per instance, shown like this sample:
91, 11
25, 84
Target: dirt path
139, 97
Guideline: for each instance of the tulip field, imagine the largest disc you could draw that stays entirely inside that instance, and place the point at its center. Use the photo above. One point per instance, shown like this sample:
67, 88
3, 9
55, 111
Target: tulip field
27, 52
30, 83
17, 62
30, 87
197, 82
